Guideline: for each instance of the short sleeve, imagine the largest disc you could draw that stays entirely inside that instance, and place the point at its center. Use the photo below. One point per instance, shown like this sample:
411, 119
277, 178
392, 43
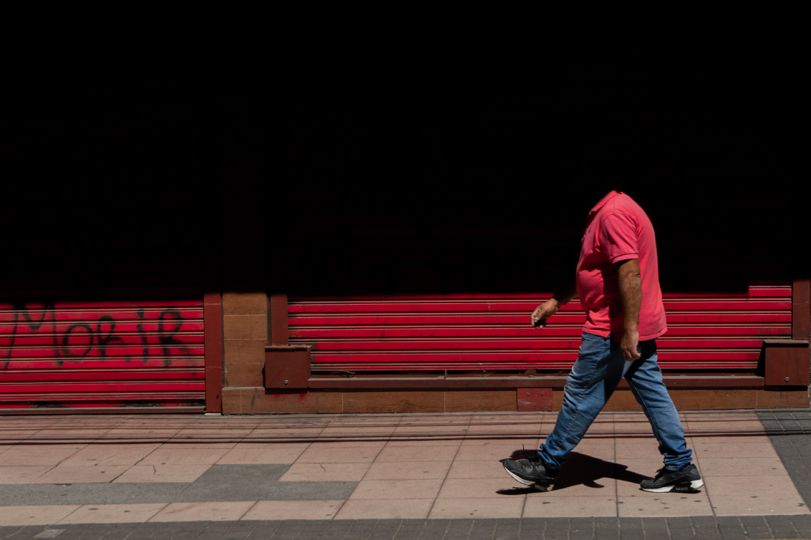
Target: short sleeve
618, 238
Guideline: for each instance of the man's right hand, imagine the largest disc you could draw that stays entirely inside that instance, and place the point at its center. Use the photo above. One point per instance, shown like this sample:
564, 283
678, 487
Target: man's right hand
543, 312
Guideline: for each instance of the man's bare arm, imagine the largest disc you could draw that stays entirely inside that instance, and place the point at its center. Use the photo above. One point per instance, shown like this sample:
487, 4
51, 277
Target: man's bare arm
550, 307
630, 287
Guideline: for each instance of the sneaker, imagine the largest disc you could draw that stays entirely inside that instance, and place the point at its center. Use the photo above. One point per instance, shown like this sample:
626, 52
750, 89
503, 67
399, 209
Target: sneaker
686, 480
529, 472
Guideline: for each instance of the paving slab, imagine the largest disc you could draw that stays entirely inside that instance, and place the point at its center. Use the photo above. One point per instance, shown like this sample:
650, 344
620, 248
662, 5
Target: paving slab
399, 476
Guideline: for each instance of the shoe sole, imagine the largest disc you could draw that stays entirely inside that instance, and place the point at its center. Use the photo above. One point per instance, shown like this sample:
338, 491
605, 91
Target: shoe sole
692, 487
531, 483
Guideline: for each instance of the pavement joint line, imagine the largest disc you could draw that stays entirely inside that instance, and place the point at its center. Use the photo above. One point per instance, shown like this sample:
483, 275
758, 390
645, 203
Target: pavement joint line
777, 434
445, 478
788, 526
794, 457
371, 464
245, 513
705, 487
616, 484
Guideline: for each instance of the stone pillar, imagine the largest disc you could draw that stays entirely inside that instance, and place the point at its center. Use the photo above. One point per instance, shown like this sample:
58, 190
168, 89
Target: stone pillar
245, 334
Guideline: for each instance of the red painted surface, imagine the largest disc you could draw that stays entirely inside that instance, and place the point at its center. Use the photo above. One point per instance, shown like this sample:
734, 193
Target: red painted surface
755, 291
111, 355
62, 375
325, 333
496, 319
316, 334
214, 351
533, 399
512, 306
523, 344
491, 332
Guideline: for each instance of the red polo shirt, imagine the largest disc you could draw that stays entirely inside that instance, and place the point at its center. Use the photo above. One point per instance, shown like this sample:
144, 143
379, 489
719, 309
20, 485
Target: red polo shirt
618, 230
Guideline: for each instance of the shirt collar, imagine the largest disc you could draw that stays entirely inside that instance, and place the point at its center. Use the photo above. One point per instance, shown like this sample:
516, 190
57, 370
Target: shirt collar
603, 202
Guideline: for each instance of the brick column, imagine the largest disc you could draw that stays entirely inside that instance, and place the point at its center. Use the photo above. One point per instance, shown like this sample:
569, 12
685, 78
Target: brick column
245, 334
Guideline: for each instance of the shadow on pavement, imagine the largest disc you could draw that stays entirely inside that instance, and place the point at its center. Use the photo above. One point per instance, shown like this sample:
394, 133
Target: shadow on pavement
580, 469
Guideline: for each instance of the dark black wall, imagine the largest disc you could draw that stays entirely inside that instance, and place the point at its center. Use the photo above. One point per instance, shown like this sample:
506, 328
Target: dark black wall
354, 180
104, 184
479, 184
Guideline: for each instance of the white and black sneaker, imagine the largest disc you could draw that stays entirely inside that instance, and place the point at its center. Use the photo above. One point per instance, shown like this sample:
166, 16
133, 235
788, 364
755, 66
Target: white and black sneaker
530, 473
685, 480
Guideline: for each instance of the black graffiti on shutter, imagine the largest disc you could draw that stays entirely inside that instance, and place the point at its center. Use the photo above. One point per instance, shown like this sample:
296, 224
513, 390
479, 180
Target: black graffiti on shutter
144, 340
22, 309
66, 351
67, 345
104, 338
167, 338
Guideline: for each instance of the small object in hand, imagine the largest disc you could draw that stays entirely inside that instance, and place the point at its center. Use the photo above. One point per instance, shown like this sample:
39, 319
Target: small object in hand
538, 322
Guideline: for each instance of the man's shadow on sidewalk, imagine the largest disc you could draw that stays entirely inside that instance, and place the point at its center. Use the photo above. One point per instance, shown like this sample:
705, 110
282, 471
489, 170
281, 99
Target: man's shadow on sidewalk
579, 469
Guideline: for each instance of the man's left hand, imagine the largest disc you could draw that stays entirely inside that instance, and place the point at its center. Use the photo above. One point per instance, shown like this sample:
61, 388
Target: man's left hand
630, 345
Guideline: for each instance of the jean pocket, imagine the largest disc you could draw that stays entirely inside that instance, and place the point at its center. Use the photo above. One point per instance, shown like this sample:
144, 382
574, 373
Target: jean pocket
591, 345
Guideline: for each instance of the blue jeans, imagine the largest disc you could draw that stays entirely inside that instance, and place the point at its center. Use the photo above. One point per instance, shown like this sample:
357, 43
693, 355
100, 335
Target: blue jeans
594, 376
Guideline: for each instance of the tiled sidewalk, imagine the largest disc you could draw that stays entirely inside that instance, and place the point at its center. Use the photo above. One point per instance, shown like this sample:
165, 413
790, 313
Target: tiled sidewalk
58, 471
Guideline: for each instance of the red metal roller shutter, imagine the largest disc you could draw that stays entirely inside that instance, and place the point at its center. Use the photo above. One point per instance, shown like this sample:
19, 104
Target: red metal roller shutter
478, 332
102, 356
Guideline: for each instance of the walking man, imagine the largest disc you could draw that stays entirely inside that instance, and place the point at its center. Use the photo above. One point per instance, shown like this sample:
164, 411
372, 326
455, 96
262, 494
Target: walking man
617, 281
